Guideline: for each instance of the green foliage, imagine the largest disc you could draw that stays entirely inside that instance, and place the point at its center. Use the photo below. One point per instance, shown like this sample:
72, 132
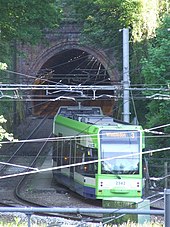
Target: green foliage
3, 133
25, 20
156, 71
103, 19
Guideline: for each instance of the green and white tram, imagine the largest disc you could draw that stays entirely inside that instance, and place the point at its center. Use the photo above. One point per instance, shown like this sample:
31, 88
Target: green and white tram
96, 156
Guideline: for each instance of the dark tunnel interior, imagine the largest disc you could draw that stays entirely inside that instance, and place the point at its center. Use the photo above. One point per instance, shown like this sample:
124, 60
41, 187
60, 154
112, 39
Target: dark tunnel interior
70, 67
75, 67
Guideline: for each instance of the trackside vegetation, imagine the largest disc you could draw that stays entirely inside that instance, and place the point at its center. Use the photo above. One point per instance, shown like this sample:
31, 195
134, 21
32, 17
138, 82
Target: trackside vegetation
22, 221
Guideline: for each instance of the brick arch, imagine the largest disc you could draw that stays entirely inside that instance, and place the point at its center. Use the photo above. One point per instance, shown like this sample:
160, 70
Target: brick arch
99, 54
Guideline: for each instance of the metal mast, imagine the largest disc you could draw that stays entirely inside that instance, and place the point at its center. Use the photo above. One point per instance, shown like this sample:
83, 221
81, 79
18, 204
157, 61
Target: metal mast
126, 81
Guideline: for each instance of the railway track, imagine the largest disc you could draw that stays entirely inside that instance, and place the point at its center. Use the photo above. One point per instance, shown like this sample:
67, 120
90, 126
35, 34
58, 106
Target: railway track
19, 191
23, 157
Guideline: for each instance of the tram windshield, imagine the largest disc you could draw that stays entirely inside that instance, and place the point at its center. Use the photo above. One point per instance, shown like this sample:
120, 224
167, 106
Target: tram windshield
120, 151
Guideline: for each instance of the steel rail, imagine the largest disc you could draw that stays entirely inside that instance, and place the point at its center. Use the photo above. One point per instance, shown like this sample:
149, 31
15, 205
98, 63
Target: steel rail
18, 149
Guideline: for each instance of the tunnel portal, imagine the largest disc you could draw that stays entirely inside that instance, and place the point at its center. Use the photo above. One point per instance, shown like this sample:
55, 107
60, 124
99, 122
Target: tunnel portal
70, 67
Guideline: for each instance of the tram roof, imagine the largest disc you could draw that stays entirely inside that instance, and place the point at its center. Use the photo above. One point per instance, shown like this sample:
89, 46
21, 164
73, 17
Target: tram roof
89, 115
68, 111
95, 119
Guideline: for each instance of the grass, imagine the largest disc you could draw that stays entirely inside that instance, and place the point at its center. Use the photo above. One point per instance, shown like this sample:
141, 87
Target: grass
17, 221
132, 224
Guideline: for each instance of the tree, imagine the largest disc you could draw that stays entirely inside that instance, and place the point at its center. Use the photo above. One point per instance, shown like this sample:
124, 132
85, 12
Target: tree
156, 71
102, 20
25, 21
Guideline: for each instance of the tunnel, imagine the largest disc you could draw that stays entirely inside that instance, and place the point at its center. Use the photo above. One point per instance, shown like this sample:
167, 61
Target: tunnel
70, 67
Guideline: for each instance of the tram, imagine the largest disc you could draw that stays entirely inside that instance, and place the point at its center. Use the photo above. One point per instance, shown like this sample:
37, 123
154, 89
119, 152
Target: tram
95, 155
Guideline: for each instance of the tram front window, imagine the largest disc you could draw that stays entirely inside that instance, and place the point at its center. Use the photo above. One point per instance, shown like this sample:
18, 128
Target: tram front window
120, 152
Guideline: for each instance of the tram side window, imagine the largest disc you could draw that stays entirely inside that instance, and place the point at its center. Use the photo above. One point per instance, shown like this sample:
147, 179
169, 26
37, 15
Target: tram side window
91, 168
66, 152
85, 154
73, 144
55, 144
95, 157
78, 157
59, 149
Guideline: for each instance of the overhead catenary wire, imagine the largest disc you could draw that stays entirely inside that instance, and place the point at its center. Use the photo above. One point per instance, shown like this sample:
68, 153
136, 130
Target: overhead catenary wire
76, 88
141, 86
82, 163
55, 99
47, 80
74, 137
59, 85
23, 99
104, 97
18, 166
66, 138
85, 135
54, 66
30, 99
79, 57
160, 126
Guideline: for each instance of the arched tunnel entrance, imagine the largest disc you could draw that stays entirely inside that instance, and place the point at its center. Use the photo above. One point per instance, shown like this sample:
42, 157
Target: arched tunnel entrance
70, 67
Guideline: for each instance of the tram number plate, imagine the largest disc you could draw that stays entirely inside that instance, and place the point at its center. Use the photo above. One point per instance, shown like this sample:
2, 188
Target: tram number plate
120, 183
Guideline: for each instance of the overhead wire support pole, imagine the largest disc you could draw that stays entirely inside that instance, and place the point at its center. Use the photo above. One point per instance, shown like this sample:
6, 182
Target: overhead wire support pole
126, 80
